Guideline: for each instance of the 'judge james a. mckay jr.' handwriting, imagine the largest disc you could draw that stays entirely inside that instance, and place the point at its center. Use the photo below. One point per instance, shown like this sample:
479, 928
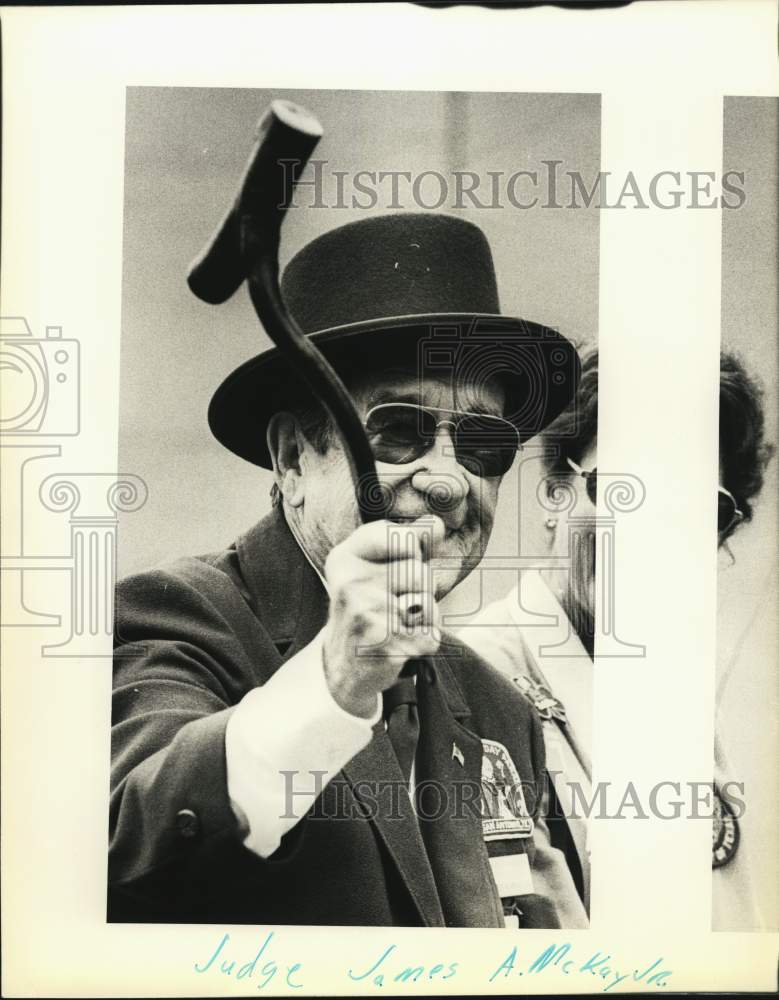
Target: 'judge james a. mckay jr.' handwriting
386, 967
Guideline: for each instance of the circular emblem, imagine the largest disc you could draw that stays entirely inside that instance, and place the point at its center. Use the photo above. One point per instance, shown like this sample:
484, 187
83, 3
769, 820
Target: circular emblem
725, 832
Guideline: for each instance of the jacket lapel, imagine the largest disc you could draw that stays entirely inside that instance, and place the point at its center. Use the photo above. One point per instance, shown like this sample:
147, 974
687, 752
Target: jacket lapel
377, 781
450, 755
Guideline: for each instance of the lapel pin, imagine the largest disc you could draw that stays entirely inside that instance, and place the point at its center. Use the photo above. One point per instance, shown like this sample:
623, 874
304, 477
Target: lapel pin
457, 755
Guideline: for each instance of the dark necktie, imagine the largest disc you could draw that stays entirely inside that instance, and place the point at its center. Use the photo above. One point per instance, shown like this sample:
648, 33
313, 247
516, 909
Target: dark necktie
402, 718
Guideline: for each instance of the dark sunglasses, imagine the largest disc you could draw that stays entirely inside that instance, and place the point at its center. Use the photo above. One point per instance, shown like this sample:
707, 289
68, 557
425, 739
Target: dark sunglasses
484, 444
728, 513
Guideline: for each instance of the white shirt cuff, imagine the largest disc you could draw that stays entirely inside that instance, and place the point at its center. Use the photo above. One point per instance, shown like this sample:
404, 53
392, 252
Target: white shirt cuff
284, 742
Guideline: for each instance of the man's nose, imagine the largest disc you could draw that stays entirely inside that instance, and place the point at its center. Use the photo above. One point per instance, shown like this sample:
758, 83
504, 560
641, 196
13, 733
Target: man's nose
440, 476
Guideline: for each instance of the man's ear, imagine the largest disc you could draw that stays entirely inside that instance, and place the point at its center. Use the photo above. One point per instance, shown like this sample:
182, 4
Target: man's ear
284, 444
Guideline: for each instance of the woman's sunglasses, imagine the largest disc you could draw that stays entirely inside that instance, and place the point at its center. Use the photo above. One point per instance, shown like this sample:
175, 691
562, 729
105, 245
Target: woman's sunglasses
728, 513
590, 480
484, 444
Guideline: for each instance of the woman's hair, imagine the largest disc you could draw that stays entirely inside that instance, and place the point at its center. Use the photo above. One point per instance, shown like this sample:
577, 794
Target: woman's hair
744, 453
571, 434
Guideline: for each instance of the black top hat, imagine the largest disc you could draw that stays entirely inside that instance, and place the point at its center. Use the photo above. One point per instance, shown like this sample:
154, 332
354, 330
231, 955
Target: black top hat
416, 290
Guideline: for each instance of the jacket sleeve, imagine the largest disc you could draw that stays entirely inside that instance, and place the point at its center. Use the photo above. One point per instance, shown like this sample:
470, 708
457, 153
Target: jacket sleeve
179, 668
207, 735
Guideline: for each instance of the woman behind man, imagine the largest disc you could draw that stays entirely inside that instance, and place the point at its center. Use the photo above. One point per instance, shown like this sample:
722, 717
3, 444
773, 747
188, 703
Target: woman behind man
561, 685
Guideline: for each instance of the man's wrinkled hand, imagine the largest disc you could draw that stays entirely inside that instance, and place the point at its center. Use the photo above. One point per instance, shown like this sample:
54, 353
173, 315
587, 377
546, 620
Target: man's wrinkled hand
383, 610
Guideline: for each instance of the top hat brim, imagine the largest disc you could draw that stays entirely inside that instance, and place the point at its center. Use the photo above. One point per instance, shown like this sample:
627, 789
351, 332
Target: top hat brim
538, 367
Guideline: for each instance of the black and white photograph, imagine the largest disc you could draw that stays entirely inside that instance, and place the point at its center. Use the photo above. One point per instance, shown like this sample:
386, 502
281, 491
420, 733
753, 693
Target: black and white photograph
390, 493
427, 315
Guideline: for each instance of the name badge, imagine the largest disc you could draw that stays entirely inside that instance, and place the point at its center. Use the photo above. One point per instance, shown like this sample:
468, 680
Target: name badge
512, 875
504, 812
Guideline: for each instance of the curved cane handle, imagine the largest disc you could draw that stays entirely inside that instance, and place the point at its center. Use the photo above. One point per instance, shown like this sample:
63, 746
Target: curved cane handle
246, 246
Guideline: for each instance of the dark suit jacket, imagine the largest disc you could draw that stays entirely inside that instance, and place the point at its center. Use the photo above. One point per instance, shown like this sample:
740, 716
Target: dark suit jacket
191, 640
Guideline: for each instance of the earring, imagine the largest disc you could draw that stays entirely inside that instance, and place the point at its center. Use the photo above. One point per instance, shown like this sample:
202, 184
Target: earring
550, 523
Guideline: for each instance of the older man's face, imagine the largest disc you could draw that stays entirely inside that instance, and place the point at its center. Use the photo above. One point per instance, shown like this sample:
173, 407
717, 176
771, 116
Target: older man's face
434, 482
